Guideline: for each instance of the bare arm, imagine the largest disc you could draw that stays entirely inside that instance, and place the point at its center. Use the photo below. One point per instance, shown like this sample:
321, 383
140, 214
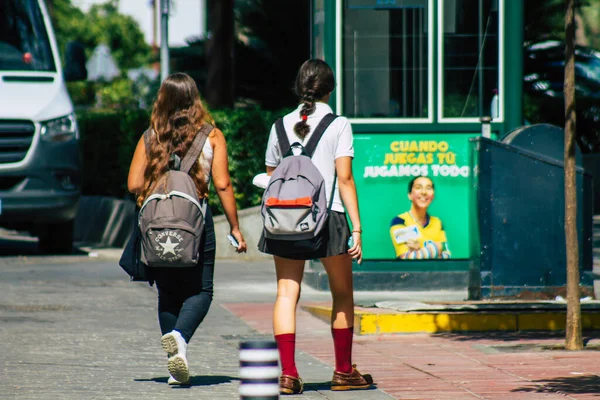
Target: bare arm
222, 183
431, 250
135, 179
343, 167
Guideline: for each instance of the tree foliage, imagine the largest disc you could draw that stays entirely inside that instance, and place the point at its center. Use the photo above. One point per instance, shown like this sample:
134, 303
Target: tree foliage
275, 38
64, 20
272, 40
545, 19
589, 20
109, 138
103, 23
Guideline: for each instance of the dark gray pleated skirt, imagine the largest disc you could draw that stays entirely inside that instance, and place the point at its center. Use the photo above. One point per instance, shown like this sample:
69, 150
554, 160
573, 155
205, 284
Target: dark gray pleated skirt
336, 240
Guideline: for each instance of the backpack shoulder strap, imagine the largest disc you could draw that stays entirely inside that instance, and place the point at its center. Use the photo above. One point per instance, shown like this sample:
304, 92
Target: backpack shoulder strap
147, 139
310, 147
284, 143
197, 145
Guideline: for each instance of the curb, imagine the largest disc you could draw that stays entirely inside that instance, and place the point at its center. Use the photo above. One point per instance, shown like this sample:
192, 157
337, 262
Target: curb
392, 280
378, 321
104, 221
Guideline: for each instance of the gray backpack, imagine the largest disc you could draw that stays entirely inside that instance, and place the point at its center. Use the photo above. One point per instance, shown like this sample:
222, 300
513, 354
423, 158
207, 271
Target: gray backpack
171, 218
294, 205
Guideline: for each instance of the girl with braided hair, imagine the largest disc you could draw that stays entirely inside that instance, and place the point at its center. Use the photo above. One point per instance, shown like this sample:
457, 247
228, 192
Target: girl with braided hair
333, 158
184, 294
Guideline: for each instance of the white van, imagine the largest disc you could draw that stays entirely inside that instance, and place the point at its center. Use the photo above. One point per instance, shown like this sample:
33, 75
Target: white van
40, 166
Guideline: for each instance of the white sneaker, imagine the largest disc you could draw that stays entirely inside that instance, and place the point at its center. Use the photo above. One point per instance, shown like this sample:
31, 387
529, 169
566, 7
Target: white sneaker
173, 343
178, 367
173, 381
176, 347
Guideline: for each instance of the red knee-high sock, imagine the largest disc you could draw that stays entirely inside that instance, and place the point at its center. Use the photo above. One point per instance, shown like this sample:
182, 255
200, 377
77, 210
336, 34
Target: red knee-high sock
342, 343
286, 343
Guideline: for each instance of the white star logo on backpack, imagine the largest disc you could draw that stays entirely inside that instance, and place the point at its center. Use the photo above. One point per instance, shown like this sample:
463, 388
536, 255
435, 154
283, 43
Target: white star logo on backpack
169, 247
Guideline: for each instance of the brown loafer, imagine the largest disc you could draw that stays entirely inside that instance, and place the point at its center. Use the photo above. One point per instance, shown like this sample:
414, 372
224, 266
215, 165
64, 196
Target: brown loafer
352, 381
290, 385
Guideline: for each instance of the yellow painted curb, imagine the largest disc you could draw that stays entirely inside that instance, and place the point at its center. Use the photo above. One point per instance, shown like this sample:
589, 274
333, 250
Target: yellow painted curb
433, 322
381, 321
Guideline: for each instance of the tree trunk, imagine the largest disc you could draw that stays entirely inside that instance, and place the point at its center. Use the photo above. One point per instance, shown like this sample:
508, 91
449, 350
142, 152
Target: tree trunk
219, 54
573, 328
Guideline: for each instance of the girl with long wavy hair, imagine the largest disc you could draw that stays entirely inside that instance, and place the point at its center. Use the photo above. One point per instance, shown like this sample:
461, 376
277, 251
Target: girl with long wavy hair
184, 294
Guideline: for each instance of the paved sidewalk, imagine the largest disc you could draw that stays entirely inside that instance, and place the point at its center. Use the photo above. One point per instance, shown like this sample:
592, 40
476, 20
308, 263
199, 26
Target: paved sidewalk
455, 366
76, 328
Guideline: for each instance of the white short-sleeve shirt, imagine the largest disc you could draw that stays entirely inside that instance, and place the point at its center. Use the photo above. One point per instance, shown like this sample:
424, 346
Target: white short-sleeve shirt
336, 142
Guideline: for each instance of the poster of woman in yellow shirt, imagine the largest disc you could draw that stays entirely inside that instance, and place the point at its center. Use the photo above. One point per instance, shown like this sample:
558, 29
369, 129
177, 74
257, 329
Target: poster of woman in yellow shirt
415, 234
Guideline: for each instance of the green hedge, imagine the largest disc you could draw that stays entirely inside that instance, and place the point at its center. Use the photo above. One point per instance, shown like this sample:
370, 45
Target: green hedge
108, 140
109, 137
246, 131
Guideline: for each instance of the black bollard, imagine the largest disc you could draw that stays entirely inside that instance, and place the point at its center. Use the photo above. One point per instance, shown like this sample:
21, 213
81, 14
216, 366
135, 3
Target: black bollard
259, 370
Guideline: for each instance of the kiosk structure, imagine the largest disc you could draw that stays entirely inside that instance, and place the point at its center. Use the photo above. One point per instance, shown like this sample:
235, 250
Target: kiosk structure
419, 80
428, 86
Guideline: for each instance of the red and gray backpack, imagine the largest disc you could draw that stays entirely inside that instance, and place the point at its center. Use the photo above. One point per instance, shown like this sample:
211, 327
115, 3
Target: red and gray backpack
294, 205
171, 218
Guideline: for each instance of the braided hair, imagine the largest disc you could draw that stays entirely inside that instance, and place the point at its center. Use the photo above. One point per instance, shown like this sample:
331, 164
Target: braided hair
313, 82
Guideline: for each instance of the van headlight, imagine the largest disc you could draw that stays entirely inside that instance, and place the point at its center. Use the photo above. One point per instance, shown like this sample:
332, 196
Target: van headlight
60, 129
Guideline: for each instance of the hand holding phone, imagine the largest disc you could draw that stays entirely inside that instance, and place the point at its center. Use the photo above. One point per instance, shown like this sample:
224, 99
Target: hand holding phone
233, 241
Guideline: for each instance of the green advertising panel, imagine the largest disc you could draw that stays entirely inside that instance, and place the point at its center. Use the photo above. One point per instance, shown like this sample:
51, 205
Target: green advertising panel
384, 164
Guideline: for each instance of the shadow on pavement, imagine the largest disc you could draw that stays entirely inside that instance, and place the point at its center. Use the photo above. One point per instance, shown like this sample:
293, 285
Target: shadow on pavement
321, 386
15, 247
26, 247
210, 380
198, 380
570, 385
317, 386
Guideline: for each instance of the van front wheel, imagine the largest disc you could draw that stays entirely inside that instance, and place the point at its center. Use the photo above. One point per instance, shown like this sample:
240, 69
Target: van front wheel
56, 238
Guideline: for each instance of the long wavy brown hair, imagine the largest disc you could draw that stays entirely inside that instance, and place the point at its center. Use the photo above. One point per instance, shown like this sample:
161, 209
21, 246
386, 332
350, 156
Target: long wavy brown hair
177, 116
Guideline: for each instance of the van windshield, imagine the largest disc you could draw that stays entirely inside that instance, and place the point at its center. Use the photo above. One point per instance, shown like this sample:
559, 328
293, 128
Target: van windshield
24, 43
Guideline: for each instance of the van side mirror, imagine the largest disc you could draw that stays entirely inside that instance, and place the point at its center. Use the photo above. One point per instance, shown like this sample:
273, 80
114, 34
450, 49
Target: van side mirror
75, 69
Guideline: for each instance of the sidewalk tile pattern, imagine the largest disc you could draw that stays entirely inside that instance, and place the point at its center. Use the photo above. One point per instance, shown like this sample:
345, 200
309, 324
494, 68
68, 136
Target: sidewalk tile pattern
454, 366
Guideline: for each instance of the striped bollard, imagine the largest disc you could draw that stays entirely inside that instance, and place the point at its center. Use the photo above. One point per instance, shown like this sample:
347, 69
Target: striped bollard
259, 370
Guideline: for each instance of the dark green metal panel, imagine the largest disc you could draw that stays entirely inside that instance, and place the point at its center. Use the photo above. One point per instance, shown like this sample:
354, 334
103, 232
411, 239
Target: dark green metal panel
434, 63
475, 234
521, 221
513, 64
412, 266
424, 128
330, 43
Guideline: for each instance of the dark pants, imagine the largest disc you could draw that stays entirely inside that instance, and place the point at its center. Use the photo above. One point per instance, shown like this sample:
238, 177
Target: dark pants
185, 294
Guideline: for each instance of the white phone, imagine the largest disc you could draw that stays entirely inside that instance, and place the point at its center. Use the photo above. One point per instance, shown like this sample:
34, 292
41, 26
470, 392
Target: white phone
233, 241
